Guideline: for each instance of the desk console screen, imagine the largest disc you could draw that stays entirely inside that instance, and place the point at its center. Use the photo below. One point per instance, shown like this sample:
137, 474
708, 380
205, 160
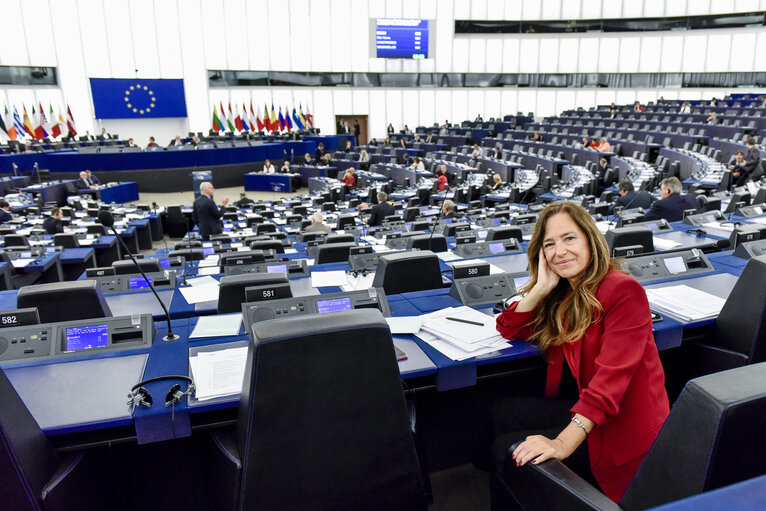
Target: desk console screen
485, 290
98, 335
316, 304
487, 248
297, 268
651, 267
134, 282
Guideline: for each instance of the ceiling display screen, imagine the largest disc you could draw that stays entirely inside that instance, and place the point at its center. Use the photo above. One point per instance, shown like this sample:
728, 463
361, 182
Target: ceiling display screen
401, 38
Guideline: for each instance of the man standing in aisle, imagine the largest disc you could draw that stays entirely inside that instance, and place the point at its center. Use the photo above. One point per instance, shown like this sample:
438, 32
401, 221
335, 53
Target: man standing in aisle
205, 213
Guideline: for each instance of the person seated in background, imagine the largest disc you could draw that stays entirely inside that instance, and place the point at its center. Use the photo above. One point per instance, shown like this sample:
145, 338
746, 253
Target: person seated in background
349, 148
285, 169
536, 137
387, 142
417, 164
444, 130
25, 147
380, 211
496, 184
478, 151
324, 161
613, 113
661, 101
407, 130
441, 177
243, 201
176, 142
5, 211
496, 153
348, 178
268, 167
372, 143
686, 108
672, 204
630, 198
91, 178
429, 138
637, 107
83, 182
734, 163
448, 209
54, 223
478, 118
603, 146
195, 141
317, 224
152, 143
104, 135
402, 143
364, 160
319, 152
306, 160
130, 143
416, 139
406, 160
583, 144
713, 102
712, 118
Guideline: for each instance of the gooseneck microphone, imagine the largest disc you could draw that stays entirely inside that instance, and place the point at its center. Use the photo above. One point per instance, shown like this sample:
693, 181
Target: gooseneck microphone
433, 229
106, 219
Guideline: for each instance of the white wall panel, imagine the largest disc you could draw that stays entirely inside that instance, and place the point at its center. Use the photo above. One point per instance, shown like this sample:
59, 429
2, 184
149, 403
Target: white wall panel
393, 65
257, 15
551, 9
278, 42
445, 29
742, 52
630, 48
531, 9
410, 108
676, 7
546, 103
654, 8
428, 9
460, 105
13, 51
37, 23
321, 108
376, 122
721, 6
760, 52
121, 55
358, 45
411, 10
695, 48
612, 9
236, 34
527, 101
512, 9
393, 8
168, 39
603, 97
477, 49
672, 54
529, 55
585, 98
213, 33
462, 9
342, 102
718, 52
460, 54
493, 60
608, 54
565, 100
478, 10
631, 8
495, 9
144, 39
426, 110
92, 31
570, 10
361, 101
588, 60
645, 96
476, 104
569, 48
510, 55
591, 9
394, 108
340, 18
625, 97
697, 7
549, 55
443, 111
492, 104
651, 51
509, 101
746, 5
321, 44
195, 71
376, 8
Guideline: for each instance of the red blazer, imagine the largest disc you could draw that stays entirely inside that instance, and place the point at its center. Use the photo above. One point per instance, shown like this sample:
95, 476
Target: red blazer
442, 182
349, 181
619, 376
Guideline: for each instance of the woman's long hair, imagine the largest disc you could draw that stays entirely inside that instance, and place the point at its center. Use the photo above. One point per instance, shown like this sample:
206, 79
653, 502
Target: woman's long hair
568, 310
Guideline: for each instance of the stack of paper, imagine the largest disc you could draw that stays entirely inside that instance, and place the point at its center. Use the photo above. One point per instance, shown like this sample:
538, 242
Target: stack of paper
328, 278
461, 333
220, 325
722, 230
684, 302
202, 289
218, 373
664, 244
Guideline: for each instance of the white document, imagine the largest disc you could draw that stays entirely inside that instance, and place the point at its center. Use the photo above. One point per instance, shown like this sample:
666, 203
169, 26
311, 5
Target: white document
404, 324
209, 270
218, 373
290, 251
222, 325
447, 256
358, 282
199, 294
211, 260
664, 244
20, 263
454, 353
463, 328
685, 302
328, 278
202, 281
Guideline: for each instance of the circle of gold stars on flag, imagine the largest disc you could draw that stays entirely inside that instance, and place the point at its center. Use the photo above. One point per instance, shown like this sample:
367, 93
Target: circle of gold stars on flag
139, 99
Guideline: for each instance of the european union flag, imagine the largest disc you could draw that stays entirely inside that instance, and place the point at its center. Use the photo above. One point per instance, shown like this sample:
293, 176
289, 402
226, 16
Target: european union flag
137, 98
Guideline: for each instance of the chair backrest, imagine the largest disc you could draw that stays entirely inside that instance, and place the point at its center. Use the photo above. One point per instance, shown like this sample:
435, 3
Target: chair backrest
333, 252
265, 227
231, 289
125, 267
65, 301
190, 254
713, 437
15, 240
408, 271
231, 258
27, 460
274, 245
623, 237
339, 238
340, 406
435, 243
505, 232
345, 222
66, 240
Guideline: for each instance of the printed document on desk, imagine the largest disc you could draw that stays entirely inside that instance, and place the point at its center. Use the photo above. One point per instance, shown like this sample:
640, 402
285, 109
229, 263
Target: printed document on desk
222, 325
466, 334
684, 302
202, 289
218, 373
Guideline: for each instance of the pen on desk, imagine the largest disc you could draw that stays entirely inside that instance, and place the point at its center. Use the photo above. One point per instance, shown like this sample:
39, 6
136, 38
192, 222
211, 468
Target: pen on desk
465, 321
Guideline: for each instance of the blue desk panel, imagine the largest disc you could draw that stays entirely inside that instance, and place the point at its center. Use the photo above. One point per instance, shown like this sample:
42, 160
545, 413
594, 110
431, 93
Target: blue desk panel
120, 194
267, 182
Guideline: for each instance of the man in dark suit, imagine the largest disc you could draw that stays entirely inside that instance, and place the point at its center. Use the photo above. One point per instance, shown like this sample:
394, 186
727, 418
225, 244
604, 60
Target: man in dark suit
92, 180
751, 168
319, 152
629, 198
244, 201
5, 211
54, 223
672, 204
205, 213
381, 210
83, 183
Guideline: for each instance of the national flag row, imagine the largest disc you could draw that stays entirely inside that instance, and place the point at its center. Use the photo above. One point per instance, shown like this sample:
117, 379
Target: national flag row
234, 119
37, 125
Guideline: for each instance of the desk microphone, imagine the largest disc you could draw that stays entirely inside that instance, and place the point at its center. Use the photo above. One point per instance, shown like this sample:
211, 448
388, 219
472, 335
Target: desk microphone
433, 230
106, 219
722, 244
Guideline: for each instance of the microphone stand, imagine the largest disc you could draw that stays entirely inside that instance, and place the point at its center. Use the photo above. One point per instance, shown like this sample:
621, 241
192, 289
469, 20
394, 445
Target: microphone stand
107, 220
433, 229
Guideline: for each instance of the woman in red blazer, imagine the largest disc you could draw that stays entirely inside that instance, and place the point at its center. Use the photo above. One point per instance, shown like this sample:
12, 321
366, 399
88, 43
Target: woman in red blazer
580, 307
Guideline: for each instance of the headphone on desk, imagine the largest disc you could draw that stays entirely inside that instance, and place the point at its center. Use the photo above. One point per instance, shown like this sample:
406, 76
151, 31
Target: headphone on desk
139, 396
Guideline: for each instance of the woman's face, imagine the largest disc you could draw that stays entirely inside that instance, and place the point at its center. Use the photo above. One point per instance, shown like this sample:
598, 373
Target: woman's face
566, 247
